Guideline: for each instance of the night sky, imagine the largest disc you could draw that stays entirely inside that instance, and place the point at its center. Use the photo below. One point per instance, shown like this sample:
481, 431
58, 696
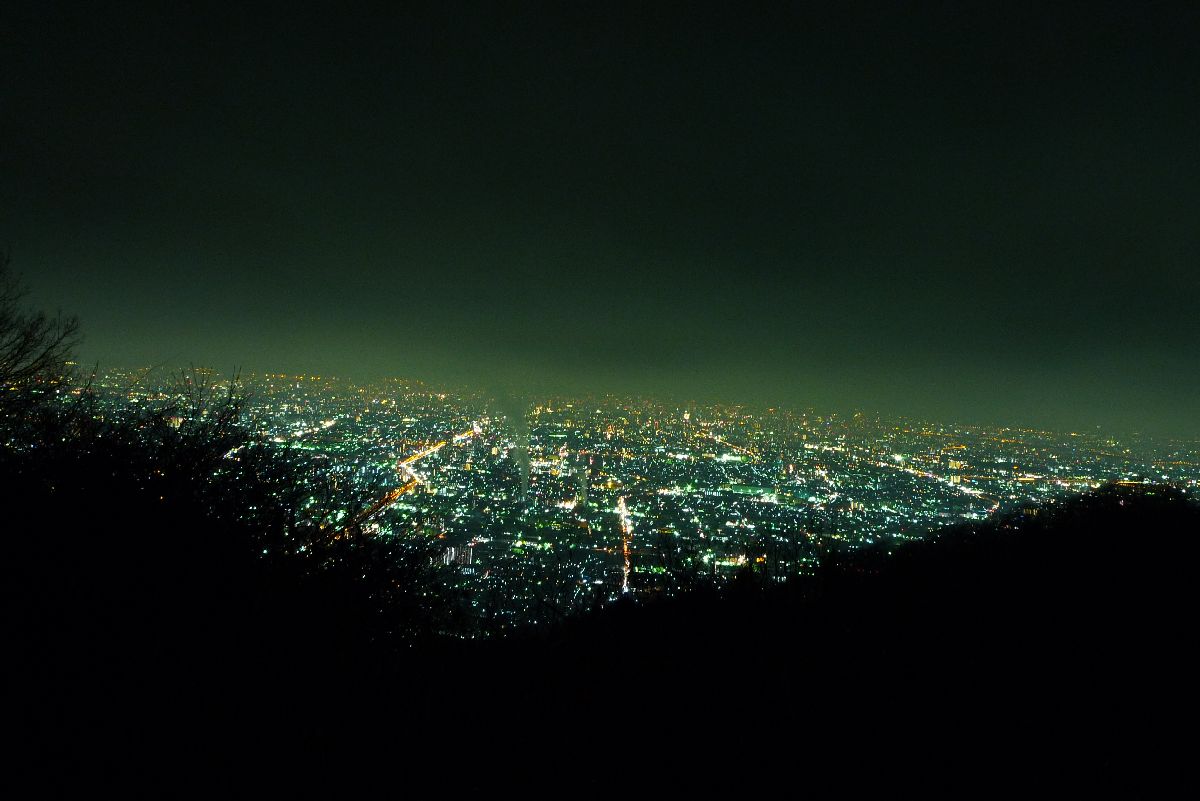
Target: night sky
987, 214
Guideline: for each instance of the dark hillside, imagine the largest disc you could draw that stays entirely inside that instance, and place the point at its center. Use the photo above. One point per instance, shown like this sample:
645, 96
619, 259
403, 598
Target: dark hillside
1092, 584
1047, 643
148, 625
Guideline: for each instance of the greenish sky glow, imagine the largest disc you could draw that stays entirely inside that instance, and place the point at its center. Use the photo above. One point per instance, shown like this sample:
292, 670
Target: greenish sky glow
989, 214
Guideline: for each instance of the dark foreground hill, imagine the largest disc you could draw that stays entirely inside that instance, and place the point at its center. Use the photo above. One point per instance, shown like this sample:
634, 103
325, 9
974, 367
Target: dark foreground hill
1101, 579
1070, 626
1056, 643
1050, 649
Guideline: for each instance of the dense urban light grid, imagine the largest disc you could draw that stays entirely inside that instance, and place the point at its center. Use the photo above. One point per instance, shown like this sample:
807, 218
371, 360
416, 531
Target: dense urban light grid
551, 506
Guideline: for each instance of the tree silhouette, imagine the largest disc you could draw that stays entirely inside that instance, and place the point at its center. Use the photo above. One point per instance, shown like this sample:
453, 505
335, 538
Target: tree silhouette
154, 550
34, 346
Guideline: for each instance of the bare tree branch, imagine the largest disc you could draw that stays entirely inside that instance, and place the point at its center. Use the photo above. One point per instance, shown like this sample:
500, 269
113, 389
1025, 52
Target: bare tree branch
34, 347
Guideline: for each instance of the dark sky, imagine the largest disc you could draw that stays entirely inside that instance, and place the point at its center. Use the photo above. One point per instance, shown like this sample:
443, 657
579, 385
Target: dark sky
984, 214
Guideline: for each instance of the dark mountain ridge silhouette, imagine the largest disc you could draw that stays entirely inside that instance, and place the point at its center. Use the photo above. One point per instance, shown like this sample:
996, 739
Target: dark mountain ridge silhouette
148, 624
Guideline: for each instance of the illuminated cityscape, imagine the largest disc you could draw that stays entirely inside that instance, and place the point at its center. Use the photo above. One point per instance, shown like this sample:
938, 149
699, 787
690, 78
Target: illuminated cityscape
599, 398
557, 505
